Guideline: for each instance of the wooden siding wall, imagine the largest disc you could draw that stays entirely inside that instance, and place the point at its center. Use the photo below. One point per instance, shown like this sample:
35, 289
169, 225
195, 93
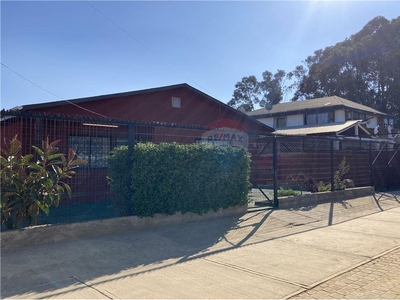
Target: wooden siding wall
196, 109
317, 166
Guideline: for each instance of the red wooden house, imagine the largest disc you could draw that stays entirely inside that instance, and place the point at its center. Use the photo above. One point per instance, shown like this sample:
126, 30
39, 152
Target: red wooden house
93, 126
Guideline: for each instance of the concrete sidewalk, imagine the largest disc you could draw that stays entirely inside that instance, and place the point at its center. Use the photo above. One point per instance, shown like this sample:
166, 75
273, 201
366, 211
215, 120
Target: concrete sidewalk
298, 253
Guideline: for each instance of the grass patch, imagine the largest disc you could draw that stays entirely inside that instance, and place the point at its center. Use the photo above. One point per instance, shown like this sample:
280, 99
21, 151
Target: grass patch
282, 192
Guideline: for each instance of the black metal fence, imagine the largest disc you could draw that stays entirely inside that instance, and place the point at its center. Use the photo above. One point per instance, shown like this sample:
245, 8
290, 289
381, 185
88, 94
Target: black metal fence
277, 161
304, 163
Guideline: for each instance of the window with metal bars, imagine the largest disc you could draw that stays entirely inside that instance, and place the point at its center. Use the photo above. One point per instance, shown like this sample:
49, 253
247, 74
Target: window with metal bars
95, 150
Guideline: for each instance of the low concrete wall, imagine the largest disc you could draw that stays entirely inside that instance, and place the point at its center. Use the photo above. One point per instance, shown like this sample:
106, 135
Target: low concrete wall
45, 234
323, 197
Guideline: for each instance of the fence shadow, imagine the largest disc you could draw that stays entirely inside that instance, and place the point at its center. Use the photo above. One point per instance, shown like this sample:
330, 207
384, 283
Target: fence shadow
122, 255
77, 264
91, 258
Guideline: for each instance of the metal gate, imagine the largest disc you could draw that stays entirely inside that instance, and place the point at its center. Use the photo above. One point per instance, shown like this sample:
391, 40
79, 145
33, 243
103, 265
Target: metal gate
385, 167
262, 171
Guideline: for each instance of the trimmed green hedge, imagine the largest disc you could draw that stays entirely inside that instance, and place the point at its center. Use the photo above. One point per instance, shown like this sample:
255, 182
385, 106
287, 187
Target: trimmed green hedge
119, 180
168, 178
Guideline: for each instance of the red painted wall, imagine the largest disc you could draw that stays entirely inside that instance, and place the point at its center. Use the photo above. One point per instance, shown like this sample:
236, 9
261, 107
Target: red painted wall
156, 106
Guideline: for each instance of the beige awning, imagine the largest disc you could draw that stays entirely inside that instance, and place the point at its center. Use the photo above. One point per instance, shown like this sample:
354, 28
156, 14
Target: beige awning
336, 128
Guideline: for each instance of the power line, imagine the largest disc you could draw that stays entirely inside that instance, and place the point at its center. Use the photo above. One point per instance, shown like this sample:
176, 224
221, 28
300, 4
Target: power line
30, 81
130, 35
144, 46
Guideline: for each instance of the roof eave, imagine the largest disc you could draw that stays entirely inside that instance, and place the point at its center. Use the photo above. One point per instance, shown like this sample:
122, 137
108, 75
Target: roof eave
101, 97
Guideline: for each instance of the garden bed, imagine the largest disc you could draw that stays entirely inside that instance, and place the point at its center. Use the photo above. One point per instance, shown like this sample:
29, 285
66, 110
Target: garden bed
324, 197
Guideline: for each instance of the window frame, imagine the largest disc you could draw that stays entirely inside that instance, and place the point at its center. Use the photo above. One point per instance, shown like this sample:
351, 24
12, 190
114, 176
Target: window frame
90, 153
321, 118
277, 123
308, 118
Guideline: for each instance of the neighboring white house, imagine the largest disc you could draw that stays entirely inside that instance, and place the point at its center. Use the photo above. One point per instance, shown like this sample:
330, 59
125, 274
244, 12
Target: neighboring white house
326, 116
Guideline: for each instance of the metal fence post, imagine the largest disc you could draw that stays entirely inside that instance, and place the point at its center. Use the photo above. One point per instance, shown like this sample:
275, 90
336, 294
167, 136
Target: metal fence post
275, 166
370, 164
332, 167
131, 140
387, 168
131, 145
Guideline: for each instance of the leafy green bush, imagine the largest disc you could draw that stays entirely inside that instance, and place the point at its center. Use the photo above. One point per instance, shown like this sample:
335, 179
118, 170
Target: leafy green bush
168, 178
342, 169
287, 192
119, 179
340, 172
303, 182
27, 187
322, 187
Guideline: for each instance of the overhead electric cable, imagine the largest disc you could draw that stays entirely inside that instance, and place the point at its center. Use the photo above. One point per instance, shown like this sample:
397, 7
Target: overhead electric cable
30, 81
144, 46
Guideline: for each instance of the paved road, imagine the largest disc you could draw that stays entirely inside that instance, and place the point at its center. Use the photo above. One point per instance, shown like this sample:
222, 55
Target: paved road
333, 250
376, 279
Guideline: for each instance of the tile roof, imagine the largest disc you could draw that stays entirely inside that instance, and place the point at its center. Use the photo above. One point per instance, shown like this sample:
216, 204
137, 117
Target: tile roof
333, 101
319, 129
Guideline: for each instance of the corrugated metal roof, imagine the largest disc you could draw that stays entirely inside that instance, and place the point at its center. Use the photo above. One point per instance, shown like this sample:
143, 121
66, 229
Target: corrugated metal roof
328, 128
313, 104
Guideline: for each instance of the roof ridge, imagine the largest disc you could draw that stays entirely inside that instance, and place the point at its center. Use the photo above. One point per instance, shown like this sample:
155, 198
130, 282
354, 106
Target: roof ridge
339, 99
318, 103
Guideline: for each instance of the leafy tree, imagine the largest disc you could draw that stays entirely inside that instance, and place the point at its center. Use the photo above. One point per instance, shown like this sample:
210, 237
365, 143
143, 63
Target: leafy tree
249, 92
246, 94
28, 186
272, 87
297, 76
364, 68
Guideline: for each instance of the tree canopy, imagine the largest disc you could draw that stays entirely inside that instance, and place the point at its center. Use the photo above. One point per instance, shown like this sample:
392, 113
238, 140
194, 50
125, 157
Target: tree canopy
250, 92
364, 68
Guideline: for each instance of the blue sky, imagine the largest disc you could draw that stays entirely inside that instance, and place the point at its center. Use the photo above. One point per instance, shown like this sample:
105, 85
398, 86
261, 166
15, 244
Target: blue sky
72, 50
